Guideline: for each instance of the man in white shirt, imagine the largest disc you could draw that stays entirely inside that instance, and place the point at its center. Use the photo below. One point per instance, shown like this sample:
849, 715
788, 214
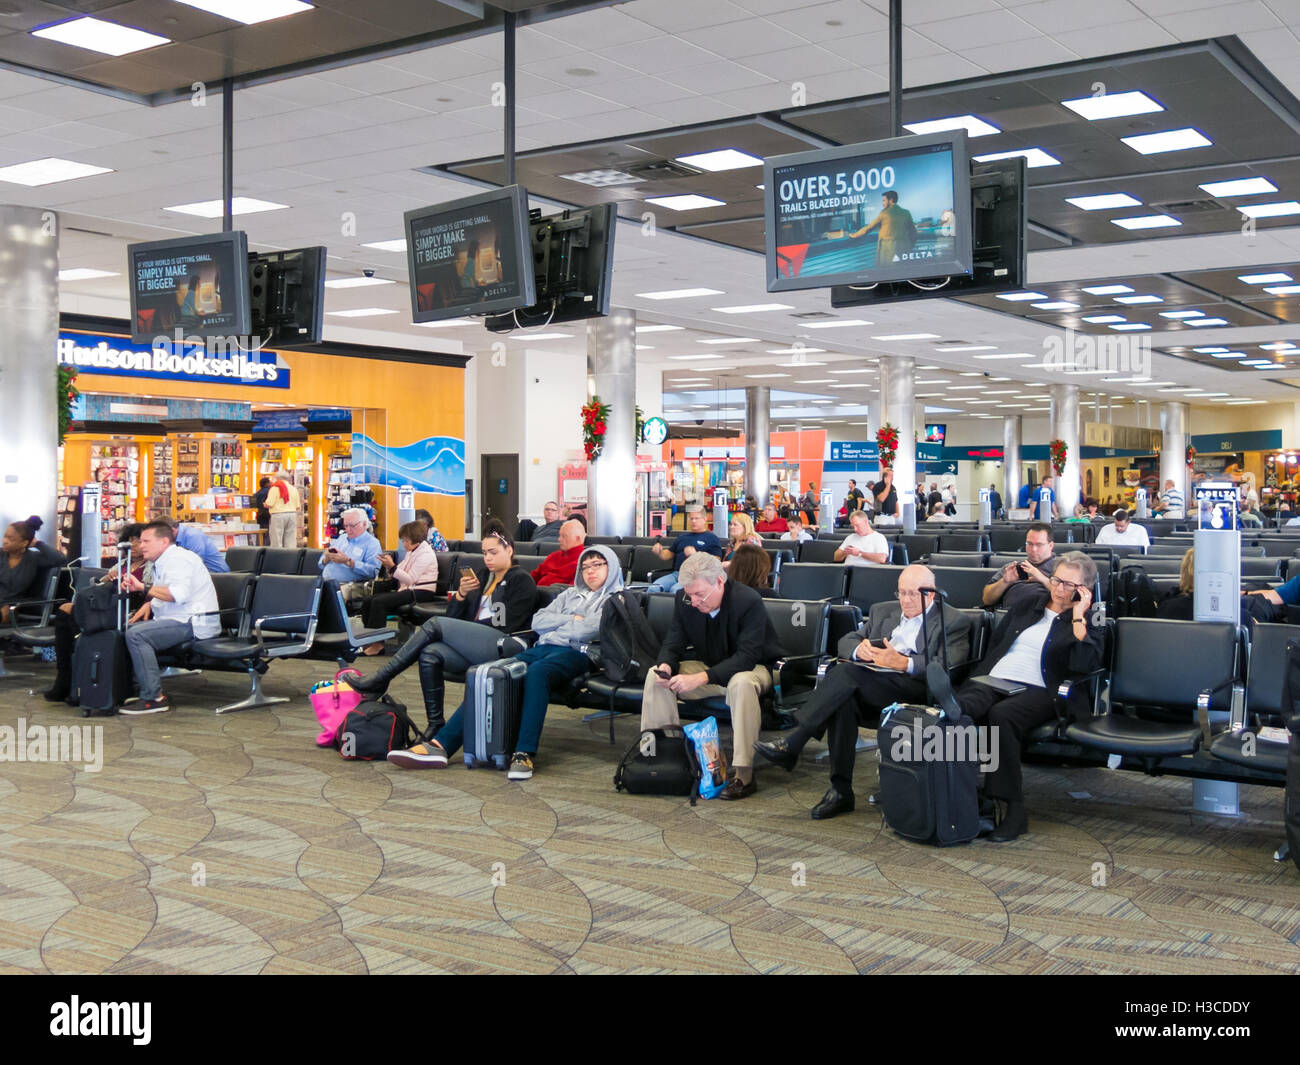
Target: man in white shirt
795, 531
182, 606
1171, 502
862, 547
1123, 533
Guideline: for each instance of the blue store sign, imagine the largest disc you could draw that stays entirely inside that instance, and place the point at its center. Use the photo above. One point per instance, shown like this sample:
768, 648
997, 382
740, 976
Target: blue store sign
213, 363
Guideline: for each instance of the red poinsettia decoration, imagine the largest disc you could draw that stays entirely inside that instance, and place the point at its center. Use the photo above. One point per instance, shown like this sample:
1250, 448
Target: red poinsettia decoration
594, 415
1060, 452
1191, 454
66, 395
887, 442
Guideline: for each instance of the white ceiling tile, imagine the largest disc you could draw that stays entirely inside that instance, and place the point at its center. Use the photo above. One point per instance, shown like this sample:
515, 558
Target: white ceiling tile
872, 49
68, 103
936, 69
598, 68
569, 104
656, 55
799, 63
451, 97
846, 84
307, 91
737, 40
716, 77
1056, 16
450, 61
551, 131
618, 123
972, 31
684, 16
643, 91
371, 78
1274, 44
1136, 35
1173, 7
598, 28
693, 109
919, 12
1219, 21
829, 21
997, 60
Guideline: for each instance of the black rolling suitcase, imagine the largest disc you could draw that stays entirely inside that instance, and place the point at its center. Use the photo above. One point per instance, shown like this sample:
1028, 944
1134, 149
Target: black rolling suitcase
494, 699
101, 668
929, 766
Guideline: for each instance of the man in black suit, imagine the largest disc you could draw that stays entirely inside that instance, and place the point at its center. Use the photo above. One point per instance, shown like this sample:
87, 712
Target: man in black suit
885, 663
733, 642
1039, 643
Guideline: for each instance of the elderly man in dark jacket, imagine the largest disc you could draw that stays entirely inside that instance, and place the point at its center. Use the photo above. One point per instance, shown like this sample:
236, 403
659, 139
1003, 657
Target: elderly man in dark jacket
884, 662
733, 644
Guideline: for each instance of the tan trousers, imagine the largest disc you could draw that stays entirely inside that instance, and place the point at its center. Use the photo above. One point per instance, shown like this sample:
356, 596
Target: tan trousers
659, 705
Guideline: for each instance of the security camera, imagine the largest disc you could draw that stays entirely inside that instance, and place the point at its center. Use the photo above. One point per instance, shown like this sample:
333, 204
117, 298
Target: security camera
987, 374
368, 273
699, 421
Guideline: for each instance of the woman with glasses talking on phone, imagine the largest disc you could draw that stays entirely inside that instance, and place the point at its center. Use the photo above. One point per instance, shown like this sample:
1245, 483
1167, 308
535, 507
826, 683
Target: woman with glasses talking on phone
1013, 689
498, 598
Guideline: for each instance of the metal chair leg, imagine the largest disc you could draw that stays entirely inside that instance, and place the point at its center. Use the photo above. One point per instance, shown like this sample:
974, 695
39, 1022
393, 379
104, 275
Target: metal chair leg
255, 697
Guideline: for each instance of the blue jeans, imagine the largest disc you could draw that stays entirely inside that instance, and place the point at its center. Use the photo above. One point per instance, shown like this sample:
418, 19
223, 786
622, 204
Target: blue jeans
667, 583
549, 667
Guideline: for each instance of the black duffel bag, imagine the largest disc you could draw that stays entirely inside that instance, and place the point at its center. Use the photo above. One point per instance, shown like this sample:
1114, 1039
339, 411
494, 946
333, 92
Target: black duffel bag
371, 729
661, 762
98, 608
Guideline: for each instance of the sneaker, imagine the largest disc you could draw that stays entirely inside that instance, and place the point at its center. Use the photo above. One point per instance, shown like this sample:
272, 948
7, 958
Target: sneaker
421, 756
148, 706
521, 767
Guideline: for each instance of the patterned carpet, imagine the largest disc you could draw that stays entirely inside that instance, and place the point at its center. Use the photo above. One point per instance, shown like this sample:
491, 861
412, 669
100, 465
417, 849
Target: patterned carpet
232, 845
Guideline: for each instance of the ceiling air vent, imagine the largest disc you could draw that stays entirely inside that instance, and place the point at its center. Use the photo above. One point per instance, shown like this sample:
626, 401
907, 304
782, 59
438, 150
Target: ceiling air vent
807, 315
662, 170
1183, 207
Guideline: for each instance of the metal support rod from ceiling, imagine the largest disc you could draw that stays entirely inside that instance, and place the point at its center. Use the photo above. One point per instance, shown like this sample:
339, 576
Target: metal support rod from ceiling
896, 68
509, 75
227, 154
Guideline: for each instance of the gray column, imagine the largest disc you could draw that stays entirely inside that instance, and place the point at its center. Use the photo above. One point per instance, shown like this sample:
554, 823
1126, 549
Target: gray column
29, 333
758, 441
1173, 446
1012, 430
897, 403
611, 375
1065, 426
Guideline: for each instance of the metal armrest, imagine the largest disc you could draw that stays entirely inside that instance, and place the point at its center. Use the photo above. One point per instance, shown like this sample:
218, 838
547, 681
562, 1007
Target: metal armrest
223, 610
259, 643
1066, 688
526, 637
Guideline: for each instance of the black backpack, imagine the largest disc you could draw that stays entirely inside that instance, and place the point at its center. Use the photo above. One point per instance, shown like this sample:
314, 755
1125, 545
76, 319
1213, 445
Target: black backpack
628, 647
371, 729
661, 762
99, 607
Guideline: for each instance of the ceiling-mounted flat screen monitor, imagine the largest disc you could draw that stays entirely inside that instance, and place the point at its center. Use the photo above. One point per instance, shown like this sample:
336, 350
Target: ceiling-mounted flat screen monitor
196, 284
287, 296
934, 434
470, 256
890, 210
573, 264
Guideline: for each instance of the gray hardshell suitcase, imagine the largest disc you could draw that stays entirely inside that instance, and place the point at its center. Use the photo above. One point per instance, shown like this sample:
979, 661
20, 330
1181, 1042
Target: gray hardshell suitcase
494, 698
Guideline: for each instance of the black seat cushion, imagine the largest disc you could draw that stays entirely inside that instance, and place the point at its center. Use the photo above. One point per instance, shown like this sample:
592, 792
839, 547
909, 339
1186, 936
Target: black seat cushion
1265, 755
231, 647
1117, 734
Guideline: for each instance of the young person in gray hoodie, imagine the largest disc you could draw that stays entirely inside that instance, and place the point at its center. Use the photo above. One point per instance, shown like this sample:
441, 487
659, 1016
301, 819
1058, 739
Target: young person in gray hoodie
570, 622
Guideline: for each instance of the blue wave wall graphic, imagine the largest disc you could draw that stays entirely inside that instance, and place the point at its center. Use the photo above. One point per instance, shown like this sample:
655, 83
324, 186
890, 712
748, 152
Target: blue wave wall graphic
435, 464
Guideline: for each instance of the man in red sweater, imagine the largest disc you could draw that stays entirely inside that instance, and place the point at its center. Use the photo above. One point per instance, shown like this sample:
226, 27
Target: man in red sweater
561, 567
769, 522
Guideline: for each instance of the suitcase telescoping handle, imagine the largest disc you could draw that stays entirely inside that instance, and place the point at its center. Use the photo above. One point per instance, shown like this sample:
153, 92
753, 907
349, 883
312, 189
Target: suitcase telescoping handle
123, 596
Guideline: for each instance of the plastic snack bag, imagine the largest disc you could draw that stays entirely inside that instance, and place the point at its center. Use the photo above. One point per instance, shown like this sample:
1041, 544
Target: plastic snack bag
708, 752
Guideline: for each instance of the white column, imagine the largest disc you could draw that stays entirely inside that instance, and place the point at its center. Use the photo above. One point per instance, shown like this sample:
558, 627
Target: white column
1065, 426
1173, 446
611, 371
758, 442
897, 401
1012, 430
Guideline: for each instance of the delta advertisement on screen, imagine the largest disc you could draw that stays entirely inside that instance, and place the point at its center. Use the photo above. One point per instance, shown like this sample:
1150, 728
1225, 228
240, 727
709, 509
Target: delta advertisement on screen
888, 211
197, 285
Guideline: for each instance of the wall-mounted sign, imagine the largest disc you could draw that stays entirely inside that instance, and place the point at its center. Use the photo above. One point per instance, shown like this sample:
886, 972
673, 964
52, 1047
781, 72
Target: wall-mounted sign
654, 431
214, 363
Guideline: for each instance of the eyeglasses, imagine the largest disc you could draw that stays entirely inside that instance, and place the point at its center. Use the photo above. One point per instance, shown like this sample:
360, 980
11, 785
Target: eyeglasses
590, 566
1057, 582
698, 600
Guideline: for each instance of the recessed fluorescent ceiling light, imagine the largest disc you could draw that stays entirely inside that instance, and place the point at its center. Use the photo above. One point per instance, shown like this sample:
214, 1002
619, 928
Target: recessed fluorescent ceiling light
250, 12
1058, 305
980, 402
1102, 203
362, 312
96, 35
1228, 355
658, 328
215, 208
1139, 299
1243, 402
974, 127
602, 179
801, 362
1033, 157
1182, 314
959, 388
837, 324
970, 347
1146, 221
932, 381
729, 340
1130, 326
908, 336
1270, 210
1207, 351
447, 322
764, 376
679, 294
754, 308
1198, 322
1282, 290
1264, 279
1174, 140
1257, 362
1240, 187
387, 245
356, 282
796, 351
687, 202
1009, 355
48, 171
846, 385
1019, 297
723, 159
1281, 345
1113, 105
1107, 290
1103, 319
856, 371
539, 336
693, 358
818, 381
1214, 395
82, 273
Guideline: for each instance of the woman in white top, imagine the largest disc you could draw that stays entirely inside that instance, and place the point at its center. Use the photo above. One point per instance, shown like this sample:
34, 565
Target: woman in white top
416, 576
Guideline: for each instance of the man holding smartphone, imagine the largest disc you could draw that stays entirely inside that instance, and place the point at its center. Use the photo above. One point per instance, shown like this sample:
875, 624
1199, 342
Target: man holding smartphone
354, 556
884, 662
1018, 580
734, 644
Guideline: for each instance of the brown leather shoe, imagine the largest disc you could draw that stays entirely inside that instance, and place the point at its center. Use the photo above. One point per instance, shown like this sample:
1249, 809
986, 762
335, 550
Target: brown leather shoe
737, 789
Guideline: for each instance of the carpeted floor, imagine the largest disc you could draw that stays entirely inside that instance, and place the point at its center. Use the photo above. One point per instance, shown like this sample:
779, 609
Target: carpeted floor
233, 845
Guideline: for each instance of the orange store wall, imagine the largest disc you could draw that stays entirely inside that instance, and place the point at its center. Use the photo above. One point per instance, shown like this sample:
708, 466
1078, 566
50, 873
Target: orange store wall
418, 401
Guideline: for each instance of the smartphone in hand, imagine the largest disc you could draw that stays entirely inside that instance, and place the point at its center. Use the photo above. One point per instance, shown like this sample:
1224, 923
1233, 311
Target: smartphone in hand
663, 674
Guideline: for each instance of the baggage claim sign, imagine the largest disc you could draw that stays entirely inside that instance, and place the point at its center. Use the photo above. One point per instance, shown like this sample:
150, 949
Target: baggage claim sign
213, 361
